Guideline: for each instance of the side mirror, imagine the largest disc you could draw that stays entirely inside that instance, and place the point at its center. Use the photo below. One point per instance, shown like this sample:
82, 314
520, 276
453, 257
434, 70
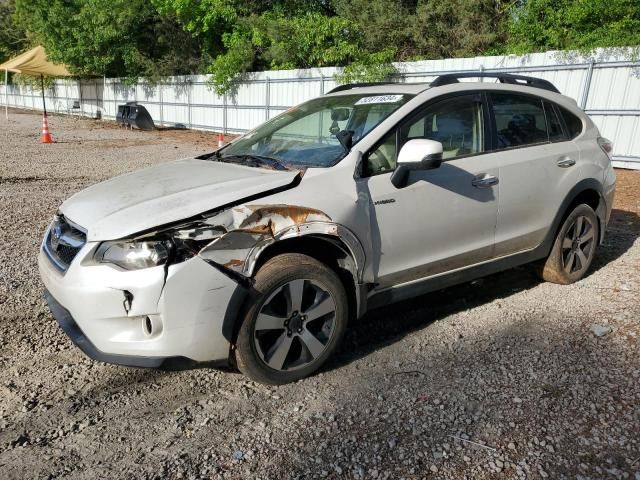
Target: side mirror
417, 154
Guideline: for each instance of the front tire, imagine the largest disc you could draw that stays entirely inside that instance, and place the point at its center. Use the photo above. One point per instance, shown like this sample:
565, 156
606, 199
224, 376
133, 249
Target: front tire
574, 247
293, 320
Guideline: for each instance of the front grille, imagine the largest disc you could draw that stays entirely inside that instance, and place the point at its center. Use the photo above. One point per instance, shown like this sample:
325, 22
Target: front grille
63, 242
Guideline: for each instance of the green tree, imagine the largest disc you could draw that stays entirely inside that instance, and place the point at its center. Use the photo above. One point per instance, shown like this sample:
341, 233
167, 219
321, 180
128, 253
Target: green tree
427, 29
12, 36
110, 37
582, 25
244, 36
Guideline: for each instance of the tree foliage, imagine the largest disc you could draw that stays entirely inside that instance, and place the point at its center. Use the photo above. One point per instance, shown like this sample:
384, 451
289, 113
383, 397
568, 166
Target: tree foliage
12, 36
582, 25
426, 28
228, 38
244, 36
109, 37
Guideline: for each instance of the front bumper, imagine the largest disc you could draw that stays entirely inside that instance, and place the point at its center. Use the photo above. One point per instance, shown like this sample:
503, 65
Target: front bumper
70, 327
106, 311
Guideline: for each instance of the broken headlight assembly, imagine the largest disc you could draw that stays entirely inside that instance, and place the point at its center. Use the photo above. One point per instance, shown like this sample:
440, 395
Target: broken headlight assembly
134, 254
172, 246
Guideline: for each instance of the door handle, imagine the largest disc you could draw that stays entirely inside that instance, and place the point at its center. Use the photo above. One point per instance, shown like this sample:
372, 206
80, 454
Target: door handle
566, 162
484, 181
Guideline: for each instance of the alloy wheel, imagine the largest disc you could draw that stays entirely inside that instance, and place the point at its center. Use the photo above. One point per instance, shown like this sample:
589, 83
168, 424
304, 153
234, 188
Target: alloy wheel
295, 325
578, 245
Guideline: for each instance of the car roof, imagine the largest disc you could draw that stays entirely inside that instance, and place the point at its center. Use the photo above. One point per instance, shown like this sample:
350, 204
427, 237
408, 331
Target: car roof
417, 89
505, 79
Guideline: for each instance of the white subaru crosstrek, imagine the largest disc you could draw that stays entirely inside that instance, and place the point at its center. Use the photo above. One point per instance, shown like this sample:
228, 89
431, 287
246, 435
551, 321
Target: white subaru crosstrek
258, 254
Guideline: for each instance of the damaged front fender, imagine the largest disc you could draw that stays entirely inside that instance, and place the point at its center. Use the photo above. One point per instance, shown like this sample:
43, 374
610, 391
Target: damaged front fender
249, 230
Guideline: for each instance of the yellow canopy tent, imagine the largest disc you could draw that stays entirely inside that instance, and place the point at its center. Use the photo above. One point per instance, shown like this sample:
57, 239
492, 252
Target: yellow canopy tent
33, 62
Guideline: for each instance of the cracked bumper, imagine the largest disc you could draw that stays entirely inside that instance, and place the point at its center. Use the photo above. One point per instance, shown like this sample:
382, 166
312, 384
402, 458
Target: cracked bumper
188, 311
70, 327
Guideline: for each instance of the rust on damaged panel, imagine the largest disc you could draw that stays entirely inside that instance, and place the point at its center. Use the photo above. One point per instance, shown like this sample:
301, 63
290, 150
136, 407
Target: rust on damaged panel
248, 226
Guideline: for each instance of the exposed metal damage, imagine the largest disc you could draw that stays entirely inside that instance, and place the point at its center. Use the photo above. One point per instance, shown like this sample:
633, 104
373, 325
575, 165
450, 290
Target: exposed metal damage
247, 227
240, 234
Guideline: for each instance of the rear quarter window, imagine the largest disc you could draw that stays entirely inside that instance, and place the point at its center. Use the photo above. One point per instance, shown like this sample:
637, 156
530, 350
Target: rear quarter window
556, 132
572, 122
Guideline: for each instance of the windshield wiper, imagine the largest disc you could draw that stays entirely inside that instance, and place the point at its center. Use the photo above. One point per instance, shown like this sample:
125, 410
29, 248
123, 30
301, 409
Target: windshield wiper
253, 161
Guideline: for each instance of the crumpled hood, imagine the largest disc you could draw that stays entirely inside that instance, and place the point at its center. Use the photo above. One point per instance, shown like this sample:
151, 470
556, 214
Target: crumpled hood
165, 193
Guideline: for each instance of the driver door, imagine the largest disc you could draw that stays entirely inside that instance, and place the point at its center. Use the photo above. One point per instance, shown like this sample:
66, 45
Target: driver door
443, 219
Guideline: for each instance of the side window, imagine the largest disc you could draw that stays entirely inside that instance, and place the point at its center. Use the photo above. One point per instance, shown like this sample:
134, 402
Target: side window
456, 122
519, 119
383, 158
555, 127
573, 123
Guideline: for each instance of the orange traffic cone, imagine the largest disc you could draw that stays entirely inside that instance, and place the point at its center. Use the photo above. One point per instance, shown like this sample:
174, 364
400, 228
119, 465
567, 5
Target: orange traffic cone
220, 140
46, 136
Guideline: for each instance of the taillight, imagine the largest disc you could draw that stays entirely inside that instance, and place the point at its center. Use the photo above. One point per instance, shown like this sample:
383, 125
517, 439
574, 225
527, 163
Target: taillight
606, 146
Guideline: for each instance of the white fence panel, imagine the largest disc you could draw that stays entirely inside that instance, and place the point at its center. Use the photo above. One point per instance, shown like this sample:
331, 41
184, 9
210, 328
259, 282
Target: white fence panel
607, 87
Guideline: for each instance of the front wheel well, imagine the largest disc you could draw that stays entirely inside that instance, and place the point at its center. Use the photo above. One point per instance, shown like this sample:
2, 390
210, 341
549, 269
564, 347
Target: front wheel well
328, 250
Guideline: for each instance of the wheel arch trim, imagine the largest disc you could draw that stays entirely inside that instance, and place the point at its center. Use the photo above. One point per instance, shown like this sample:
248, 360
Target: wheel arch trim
316, 229
584, 185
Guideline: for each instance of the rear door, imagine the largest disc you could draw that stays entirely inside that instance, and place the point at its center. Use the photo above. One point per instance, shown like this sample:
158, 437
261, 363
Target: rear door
538, 166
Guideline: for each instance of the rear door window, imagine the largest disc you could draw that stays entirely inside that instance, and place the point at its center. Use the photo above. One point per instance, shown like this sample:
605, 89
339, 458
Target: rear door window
520, 120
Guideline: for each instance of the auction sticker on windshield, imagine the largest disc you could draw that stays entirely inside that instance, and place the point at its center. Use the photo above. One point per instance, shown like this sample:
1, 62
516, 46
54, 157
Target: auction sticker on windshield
379, 99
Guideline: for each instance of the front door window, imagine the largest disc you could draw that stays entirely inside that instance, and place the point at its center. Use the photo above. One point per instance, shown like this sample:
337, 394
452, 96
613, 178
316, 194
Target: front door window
456, 122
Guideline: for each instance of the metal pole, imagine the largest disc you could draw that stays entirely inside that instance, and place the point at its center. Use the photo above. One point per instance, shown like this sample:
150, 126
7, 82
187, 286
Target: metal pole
80, 95
66, 92
103, 103
267, 98
587, 86
6, 94
321, 122
188, 83
161, 103
224, 114
44, 105
55, 96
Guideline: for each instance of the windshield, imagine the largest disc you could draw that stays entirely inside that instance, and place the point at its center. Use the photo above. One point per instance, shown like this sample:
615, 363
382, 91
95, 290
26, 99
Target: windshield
317, 133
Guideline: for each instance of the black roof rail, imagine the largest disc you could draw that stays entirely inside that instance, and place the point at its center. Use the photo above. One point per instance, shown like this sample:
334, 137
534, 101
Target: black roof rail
450, 78
349, 86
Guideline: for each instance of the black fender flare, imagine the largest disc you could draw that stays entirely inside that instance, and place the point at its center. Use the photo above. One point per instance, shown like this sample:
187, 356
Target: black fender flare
583, 185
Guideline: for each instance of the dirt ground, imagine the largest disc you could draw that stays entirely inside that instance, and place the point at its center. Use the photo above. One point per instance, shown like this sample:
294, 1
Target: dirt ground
499, 378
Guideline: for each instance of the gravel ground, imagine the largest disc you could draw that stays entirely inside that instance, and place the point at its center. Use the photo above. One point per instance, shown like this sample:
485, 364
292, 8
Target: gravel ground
504, 377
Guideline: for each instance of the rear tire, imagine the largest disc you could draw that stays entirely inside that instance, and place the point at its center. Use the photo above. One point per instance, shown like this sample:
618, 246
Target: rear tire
573, 249
293, 320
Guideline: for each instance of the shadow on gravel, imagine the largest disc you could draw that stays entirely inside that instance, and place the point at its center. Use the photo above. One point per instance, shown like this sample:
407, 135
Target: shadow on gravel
523, 384
389, 324
622, 232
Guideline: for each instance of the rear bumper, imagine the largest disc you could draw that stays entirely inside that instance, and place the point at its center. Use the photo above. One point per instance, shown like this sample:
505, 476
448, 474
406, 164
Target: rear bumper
73, 331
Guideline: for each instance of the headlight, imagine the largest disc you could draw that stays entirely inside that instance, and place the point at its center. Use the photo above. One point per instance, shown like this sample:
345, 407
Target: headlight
133, 255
